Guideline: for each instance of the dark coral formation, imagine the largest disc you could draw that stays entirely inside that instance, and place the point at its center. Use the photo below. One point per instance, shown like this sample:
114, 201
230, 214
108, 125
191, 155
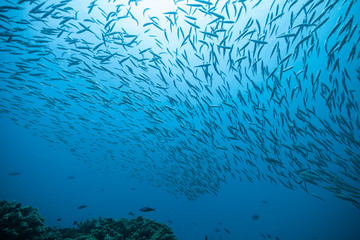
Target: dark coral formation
107, 228
17, 223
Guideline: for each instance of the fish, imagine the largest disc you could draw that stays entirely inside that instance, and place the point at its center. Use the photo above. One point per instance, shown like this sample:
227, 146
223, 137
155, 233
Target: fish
146, 209
209, 83
82, 207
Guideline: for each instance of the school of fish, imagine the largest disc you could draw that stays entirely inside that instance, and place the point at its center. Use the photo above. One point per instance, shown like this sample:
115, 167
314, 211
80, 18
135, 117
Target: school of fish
188, 97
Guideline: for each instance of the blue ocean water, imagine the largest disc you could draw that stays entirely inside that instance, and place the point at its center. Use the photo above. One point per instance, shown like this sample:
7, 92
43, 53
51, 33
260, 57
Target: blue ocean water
233, 119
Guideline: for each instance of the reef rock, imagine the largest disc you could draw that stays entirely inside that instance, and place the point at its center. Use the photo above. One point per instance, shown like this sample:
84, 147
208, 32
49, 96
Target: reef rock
23, 223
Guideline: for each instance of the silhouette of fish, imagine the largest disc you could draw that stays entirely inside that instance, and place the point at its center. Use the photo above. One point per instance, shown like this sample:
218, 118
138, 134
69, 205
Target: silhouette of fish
146, 209
82, 206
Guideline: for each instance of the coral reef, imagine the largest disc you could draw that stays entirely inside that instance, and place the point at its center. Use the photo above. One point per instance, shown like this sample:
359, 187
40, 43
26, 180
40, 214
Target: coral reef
17, 223
110, 229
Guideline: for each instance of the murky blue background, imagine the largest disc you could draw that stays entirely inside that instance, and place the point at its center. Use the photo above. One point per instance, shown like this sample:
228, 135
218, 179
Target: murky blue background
110, 152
